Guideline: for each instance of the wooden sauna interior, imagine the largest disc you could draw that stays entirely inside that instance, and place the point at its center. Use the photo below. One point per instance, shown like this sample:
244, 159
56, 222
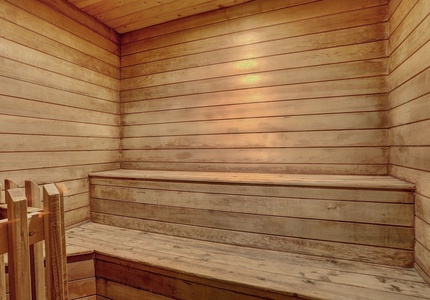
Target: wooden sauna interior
263, 149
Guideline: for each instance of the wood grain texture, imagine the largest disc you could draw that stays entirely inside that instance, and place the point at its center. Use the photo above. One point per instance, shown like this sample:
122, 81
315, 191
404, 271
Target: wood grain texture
182, 263
409, 110
125, 16
248, 208
59, 77
18, 252
238, 91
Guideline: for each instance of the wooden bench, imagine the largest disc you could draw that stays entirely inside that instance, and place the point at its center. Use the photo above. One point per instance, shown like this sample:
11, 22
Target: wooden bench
134, 265
206, 235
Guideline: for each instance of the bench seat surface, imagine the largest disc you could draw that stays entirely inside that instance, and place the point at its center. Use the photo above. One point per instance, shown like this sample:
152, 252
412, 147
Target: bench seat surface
250, 271
340, 181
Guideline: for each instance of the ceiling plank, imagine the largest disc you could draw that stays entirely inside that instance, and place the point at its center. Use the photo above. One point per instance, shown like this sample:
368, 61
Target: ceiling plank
164, 13
128, 15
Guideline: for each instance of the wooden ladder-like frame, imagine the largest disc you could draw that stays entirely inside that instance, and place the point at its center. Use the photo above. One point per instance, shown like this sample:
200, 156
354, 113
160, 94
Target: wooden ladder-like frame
24, 226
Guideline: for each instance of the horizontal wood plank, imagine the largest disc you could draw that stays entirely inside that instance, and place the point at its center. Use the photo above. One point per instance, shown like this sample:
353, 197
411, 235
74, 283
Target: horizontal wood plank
352, 277
167, 111
286, 207
347, 138
365, 234
312, 190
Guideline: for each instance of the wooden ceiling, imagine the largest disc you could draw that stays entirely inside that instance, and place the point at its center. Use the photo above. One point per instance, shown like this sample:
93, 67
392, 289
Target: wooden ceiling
128, 15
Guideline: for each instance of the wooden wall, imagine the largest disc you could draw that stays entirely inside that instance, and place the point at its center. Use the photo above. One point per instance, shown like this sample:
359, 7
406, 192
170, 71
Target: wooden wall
268, 86
410, 111
59, 98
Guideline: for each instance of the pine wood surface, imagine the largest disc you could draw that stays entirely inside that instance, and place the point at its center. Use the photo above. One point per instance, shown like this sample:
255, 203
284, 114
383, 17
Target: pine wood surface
345, 181
409, 111
269, 211
234, 93
128, 15
235, 269
59, 98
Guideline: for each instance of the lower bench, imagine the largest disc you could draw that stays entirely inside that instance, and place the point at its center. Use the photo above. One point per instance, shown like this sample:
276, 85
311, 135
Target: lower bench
360, 218
134, 265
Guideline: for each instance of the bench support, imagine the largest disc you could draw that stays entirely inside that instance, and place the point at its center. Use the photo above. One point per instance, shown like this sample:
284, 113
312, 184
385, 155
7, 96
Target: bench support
21, 236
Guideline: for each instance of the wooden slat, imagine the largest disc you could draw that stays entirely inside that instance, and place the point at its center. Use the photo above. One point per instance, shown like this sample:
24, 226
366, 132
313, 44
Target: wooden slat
2, 278
365, 234
3, 235
56, 278
30, 21
407, 16
56, 49
416, 87
49, 79
82, 288
338, 181
413, 134
270, 124
37, 261
411, 157
261, 190
409, 112
218, 37
377, 255
166, 111
261, 80
77, 15
321, 168
18, 253
48, 62
214, 17
80, 269
248, 74
29, 125
165, 13
371, 155
422, 255
47, 110
357, 86
412, 37
115, 290
276, 140
58, 143
423, 207
234, 60
22, 161
287, 207
351, 278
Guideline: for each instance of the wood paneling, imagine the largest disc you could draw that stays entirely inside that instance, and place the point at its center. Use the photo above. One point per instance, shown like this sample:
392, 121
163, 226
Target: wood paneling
59, 99
81, 274
295, 87
125, 16
250, 209
410, 111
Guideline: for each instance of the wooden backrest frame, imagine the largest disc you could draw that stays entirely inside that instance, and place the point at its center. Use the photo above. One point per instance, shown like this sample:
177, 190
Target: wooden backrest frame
21, 236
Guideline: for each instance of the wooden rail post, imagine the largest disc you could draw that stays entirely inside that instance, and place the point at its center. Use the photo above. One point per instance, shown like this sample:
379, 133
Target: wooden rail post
56, 259
37, 266
2, 268
18, 253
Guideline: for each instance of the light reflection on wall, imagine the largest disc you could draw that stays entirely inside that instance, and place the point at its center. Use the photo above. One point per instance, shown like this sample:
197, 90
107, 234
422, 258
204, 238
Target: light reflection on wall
246, 64
251, 79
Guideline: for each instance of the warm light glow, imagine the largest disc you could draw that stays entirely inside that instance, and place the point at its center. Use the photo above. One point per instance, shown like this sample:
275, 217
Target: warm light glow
251, 79
246, 64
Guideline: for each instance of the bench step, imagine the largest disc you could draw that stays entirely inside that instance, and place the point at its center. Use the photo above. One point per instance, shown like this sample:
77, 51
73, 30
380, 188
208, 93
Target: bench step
142, 264
309, 180
363, 218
